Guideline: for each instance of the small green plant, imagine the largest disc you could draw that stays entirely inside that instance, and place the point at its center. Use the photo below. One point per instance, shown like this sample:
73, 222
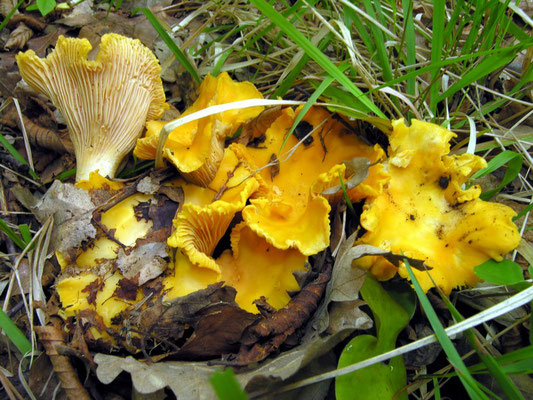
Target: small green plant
226, 385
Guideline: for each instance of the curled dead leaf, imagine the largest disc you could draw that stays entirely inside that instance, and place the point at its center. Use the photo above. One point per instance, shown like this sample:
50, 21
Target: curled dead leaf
18, 37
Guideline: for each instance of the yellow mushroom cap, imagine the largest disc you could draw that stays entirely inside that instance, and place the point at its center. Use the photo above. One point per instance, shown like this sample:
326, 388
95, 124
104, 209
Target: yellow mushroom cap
253, 267
74, 294
424, 214
287, 209
208, 212
256, 268
196, 148
105, 102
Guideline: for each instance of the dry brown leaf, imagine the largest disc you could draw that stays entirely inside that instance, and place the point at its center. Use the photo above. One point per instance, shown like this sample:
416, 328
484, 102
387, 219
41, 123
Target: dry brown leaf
71, 208
6, 6
18, 37
357, 172
41, 44
145, 262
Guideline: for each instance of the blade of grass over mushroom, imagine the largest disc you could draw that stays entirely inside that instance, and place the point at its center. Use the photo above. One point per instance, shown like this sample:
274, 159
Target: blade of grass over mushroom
17, 156
319, 57
178, 53
226, 385
345, 194
470, 384
514, 164
169, 127
14, 333
495, 311
308, 104
12, 235
505, 383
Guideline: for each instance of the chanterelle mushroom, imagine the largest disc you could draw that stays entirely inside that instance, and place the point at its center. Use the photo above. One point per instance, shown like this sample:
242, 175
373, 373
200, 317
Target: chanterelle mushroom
105, 102
424, 213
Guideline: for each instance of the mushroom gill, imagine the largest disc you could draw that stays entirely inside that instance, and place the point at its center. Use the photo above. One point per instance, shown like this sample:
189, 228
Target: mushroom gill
105, 102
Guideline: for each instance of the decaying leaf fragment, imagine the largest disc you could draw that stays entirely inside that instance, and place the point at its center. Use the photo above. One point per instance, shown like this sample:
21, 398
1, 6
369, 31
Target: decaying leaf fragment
72, 209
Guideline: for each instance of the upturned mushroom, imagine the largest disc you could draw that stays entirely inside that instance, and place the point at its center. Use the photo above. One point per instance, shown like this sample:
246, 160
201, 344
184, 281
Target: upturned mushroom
105, 102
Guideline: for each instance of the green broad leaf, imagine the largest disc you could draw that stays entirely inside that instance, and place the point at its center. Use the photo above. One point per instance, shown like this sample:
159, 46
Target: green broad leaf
46, 6
505, 272
379, 381
226, 385
178, 53
314, 53
514, 164
403, 294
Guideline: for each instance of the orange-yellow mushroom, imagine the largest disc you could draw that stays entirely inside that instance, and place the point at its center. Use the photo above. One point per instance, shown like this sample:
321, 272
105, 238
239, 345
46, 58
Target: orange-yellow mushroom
425, 213
105, 102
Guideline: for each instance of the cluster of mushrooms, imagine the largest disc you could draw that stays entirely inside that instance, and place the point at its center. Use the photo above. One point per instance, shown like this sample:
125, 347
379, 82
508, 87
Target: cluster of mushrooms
275, 210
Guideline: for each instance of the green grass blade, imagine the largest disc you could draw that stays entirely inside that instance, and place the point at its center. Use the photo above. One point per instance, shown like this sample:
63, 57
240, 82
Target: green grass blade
14, 334
313, 52
178, 53
66, 174
437, 42
345, 194
17, 156
220, 62
450, 26
10, 14
464, 375
514, 164
288, 82
484, 68
226, 385
523, 212
379, 40
308, 104
479, 8
410, 43
350, 17
450, 61
505, 383
516, 357
12, 235
24, 230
